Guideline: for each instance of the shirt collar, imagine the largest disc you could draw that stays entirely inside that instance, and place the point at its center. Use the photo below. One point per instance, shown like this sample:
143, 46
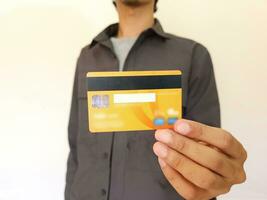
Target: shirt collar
112, 30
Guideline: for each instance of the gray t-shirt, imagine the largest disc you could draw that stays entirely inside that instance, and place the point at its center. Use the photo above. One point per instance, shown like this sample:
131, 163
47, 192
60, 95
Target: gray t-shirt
122, 47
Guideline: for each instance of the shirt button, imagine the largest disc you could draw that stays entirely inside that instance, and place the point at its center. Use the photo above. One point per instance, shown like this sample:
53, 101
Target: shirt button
105, 155
103, 192
128, 146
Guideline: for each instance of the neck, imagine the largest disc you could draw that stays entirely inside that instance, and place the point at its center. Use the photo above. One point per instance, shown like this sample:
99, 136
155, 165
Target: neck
134, 20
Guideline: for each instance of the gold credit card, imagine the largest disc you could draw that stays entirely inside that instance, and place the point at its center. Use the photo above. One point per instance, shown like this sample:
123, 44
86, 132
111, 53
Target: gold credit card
133, 100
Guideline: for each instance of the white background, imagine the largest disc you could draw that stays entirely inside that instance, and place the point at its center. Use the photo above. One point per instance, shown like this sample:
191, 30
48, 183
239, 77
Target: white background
40, 41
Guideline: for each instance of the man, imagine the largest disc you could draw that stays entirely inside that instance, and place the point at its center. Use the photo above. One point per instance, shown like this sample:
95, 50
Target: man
195, 160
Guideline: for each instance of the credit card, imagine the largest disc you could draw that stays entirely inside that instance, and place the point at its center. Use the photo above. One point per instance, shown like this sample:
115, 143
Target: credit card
133, 100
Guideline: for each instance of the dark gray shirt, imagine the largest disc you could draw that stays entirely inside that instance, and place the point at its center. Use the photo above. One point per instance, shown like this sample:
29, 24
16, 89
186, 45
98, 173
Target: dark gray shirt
118, 166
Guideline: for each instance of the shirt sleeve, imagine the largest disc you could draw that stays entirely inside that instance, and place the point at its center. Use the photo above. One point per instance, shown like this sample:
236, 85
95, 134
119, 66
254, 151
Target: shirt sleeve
72, 162
203, 101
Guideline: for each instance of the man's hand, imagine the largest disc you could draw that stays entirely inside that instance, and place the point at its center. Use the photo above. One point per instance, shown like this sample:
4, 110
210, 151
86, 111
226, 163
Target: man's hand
199, 161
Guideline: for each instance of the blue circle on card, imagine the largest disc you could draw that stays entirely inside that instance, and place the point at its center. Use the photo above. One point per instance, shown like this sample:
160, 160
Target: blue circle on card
158, 121
172, 120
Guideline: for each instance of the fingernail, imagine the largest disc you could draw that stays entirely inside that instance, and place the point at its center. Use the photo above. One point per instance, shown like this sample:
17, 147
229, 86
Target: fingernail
160, 150
162, 163
164, 137
183, 128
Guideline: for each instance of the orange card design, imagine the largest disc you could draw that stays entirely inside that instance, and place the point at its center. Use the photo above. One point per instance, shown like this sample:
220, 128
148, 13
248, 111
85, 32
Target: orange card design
133, 100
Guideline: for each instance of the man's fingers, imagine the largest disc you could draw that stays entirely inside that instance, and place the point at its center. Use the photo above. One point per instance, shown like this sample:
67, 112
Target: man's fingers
210, 158
222, 140
186, 189
193, 172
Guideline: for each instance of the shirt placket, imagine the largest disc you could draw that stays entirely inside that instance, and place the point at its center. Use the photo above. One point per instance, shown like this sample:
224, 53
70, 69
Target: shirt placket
120, 140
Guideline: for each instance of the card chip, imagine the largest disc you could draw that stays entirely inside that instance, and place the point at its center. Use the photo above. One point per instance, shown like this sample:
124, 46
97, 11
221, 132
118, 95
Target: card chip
100, 101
